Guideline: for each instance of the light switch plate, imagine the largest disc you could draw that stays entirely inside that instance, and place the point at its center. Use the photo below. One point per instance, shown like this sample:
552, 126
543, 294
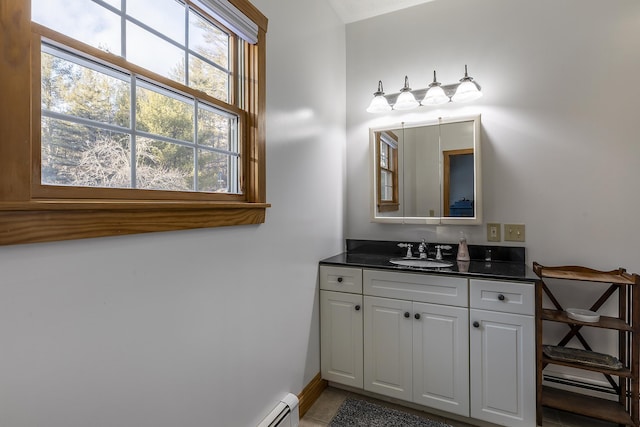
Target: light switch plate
493, 232
514, 232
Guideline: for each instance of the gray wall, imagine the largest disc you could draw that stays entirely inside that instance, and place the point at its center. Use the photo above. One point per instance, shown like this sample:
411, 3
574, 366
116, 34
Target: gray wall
197, 328
560, 110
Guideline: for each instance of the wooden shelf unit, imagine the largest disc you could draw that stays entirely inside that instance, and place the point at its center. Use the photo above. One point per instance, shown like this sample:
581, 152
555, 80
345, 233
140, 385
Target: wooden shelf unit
624, 382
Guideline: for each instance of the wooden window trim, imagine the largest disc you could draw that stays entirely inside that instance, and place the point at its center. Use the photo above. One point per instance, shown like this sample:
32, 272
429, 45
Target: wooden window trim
26, 217
387, 205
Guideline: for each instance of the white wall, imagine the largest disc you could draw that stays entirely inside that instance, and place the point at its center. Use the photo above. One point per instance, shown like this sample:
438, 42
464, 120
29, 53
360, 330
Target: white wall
196, 328
559, 117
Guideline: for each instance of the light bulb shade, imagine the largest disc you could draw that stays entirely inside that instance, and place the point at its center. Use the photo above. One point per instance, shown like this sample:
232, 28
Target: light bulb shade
467, 91
379, 104
435, 96
405, 101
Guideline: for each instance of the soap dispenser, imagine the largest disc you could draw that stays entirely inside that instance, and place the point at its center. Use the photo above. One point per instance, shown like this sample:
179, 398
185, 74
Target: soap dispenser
463, 250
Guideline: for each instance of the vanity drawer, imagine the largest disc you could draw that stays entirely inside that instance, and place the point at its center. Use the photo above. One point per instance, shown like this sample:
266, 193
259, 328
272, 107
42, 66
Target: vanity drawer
418, 287
495, 295
341, 279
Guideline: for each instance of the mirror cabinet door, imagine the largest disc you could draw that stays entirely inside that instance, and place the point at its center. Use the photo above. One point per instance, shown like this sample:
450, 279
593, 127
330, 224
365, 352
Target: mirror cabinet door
427, 172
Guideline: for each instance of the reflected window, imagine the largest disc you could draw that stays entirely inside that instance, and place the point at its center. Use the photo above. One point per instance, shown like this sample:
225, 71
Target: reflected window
387, 171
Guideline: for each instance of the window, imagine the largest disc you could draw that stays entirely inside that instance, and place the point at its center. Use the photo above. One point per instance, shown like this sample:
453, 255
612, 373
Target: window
145, 115
105, 128
387, 171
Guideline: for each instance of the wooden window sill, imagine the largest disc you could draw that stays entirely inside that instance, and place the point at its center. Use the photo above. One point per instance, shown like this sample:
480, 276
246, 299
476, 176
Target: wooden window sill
46, 221
388, 207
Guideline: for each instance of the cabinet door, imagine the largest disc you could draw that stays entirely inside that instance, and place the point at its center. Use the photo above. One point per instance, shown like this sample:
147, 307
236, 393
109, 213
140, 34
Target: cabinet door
441, 357
502, 360
341, 337
387, 347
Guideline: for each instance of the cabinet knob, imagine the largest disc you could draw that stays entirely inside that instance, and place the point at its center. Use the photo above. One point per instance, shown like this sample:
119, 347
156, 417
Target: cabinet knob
357, 307
417, 316
501, 297
339, 279
476, 324
407, 314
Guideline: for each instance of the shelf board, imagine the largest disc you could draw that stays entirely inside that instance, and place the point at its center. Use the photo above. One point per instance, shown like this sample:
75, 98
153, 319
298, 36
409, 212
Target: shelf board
604, 322
625, 373
615, 277
589, 406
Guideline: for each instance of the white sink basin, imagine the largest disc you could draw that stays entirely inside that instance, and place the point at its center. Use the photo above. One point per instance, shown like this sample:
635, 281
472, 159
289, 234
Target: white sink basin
422, 263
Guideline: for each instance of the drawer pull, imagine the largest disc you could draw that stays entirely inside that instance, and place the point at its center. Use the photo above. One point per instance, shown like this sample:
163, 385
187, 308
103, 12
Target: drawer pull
357, 307
407, 314
476, 324
417, 316
339, 279
501, 297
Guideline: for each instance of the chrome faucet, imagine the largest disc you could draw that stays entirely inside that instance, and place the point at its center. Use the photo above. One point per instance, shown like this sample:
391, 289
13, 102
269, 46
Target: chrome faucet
422, 249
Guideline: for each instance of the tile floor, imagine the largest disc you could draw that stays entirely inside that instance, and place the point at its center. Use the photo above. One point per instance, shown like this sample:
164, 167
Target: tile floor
323, 410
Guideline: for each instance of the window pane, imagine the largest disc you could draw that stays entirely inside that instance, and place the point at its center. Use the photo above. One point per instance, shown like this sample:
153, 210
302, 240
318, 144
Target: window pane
83, 20
208, 40
154, 54
160, 114
79, 91
214, 129
78, 155
384, 155
165, 16
386, 185
207, 78
388, 194
215, 172
163, 166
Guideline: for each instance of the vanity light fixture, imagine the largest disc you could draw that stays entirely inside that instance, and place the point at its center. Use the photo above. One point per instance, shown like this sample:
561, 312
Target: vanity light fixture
379, 103
435, 94
468, 90
406, 100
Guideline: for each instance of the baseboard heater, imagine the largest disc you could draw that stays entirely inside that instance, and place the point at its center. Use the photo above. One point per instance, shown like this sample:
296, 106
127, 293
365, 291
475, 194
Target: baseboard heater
285, 414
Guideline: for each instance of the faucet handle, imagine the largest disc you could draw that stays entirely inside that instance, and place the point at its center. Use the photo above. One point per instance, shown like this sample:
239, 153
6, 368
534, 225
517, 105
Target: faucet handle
439, 248
408, 246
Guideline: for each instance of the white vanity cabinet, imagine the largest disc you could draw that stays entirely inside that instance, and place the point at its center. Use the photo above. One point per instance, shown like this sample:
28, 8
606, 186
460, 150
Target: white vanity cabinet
460, 345
416, 345
502, 358
341, 325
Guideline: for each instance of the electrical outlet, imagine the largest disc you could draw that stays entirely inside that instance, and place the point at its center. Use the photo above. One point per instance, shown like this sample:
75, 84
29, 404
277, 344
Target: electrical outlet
493, 232
514, 232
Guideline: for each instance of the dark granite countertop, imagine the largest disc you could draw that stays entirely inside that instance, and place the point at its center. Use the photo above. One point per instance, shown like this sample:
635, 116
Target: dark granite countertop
507, 263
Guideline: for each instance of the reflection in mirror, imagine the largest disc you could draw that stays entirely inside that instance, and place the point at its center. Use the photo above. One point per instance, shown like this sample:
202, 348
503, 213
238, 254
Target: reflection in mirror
427, 172
387, 171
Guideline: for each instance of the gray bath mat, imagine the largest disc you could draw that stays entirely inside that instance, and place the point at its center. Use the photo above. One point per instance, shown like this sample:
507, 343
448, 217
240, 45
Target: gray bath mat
358, 413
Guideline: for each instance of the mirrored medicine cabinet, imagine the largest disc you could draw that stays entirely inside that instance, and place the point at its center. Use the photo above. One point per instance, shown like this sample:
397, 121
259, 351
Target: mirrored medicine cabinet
427, 172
